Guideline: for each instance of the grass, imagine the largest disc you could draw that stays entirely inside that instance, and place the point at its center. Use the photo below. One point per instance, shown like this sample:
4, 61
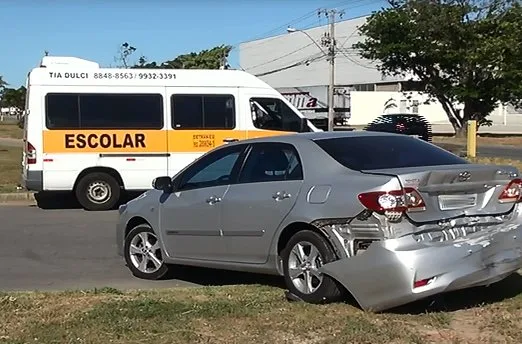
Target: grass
11, 131
498, 161
10, 160
481, 140
240, 314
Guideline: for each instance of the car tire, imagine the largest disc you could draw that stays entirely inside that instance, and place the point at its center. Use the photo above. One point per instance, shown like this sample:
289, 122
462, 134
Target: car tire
328, 289
98, 191
134, 258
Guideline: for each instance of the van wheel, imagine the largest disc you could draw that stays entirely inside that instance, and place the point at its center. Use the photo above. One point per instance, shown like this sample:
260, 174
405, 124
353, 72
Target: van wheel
98, 191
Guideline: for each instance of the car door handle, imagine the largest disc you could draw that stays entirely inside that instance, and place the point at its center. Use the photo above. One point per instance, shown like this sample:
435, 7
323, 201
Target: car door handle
281, 195
228, 139
213, 199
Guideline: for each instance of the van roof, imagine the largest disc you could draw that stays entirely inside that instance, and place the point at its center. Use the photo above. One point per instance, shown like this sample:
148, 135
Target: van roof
73, 71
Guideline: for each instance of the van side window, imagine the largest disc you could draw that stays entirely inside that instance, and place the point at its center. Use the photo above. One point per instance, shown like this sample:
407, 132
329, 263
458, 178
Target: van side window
103, 111
273, 114
203, 111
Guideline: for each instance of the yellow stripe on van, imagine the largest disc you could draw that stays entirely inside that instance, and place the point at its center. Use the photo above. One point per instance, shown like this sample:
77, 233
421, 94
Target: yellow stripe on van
104, 141
142, 141
201, 140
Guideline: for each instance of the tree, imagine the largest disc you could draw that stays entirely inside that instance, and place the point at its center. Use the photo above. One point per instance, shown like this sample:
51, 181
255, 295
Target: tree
214, 58
3, 84
125, 51
461, 51
15, 98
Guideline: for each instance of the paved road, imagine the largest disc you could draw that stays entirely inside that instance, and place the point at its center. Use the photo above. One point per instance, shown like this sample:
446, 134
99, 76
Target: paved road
70, 249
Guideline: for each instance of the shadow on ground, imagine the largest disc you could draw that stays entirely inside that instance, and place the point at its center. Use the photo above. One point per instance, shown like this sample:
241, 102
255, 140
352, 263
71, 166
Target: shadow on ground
214, 277
467, 298
66, 200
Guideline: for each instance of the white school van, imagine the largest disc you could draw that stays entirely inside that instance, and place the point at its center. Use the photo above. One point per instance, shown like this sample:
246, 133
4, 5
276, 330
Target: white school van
100, 131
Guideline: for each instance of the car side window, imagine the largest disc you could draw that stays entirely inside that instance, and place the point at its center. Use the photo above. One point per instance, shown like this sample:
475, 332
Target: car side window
269, 162
215, 169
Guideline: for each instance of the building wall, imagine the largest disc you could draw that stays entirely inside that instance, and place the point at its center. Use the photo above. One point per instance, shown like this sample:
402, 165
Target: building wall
367, 106
273, 53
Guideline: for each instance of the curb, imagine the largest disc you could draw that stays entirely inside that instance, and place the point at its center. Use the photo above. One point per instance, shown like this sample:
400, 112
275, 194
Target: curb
16, 196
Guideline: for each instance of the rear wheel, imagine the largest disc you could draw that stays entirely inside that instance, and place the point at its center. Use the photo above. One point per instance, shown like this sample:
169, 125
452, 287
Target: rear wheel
143, 254
98, 191
304, 254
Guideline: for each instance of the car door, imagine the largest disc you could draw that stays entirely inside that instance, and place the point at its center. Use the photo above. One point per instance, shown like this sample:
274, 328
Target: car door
255, 206
191, 215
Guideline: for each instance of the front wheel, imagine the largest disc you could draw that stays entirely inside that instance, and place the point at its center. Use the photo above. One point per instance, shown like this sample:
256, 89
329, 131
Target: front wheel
143, 254
304, 254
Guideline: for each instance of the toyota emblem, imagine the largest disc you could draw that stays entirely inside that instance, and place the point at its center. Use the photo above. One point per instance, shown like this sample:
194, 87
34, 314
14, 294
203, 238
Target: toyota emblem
464, 176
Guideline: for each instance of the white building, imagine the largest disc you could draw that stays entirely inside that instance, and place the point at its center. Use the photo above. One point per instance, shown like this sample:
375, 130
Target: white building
296, 66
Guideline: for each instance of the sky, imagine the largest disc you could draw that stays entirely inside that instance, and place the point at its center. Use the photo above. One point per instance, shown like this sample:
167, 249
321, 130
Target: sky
159, 29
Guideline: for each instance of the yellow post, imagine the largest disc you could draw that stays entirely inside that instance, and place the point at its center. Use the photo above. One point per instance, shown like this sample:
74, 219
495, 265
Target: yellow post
472, 139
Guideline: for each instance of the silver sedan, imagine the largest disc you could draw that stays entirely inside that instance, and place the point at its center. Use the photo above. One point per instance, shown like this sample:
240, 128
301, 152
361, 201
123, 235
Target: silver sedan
386, 217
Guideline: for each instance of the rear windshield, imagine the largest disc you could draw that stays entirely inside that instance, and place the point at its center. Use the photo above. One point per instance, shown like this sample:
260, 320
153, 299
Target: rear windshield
384, 152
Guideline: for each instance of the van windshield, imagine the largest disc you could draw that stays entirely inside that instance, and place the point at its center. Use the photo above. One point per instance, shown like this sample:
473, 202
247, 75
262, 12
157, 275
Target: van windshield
274, 114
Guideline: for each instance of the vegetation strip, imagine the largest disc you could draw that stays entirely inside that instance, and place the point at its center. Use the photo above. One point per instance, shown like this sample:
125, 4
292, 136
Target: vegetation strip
252, 314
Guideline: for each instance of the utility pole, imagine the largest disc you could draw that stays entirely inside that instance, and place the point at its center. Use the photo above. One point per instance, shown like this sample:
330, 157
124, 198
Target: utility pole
329, 41
224, 61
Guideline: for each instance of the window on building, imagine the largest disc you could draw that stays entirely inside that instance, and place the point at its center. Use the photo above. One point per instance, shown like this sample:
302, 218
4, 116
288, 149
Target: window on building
198, 111
415, 106
104, 111
364, 87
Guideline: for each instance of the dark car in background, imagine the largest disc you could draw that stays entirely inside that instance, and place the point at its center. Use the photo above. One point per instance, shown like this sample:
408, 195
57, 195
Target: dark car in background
407, 124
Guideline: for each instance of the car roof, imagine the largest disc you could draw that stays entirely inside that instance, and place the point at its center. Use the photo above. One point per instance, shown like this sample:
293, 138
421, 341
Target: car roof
312, 136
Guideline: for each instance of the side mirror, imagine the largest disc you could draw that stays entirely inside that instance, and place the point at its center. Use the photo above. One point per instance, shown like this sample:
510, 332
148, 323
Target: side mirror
162, 184
303, 125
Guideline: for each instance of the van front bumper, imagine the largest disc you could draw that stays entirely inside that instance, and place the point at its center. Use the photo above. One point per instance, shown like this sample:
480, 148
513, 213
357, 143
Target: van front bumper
395, 272
33, 180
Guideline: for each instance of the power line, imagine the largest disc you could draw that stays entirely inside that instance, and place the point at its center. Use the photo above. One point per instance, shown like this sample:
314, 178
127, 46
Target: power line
280, 36
356, 62
302, 62
293, 22
280, 57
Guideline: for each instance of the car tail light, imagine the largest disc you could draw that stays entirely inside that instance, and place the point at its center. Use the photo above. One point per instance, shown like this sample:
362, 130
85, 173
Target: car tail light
30, 154
512, 192
407, 199
423, 282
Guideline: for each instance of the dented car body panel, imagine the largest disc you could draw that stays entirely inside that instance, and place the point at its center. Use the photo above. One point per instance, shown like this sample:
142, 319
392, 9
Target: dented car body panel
383, 276
405, 219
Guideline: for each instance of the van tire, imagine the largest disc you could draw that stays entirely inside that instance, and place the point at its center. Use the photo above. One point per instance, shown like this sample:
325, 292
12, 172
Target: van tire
98, 191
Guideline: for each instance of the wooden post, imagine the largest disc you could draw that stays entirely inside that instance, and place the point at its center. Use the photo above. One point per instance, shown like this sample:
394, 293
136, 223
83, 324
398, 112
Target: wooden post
472, 139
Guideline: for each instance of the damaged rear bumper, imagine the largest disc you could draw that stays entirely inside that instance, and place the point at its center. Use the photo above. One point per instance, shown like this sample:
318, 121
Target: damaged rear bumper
395, 272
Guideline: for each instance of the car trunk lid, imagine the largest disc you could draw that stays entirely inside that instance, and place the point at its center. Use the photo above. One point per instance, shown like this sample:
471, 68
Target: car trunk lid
451, 191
